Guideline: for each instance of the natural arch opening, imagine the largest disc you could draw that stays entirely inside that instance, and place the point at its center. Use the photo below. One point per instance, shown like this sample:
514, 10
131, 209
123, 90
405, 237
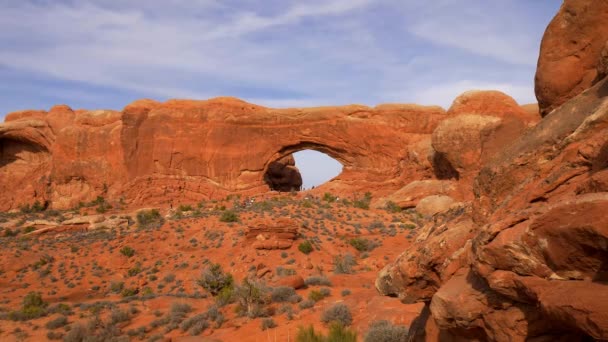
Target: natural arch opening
302, 170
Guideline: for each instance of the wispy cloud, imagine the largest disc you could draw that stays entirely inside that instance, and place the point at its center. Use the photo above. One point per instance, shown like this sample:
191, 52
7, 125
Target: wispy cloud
279, 53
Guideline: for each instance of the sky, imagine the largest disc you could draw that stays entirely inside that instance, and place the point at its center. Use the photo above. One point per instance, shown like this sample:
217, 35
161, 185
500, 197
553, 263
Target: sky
104, 54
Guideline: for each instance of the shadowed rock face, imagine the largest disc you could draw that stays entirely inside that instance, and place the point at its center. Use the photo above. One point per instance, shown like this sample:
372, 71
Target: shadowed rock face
283, 175
181, 150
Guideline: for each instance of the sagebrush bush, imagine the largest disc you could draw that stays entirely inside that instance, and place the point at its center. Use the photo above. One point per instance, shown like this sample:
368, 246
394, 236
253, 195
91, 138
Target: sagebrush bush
317, 280
337, 313
343, 264
385, 331
268, 323
57, 322
282, 294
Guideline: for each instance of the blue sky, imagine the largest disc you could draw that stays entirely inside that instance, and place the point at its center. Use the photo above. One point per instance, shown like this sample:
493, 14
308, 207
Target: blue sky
105, 53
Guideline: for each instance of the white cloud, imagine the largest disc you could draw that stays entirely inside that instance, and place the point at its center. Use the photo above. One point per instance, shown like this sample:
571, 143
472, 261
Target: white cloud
444, 94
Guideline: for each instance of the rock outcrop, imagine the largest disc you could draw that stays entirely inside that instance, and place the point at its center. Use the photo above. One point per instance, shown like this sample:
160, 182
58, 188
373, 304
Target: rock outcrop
185, 151
283, 175
272, 234
570, 52
527, 259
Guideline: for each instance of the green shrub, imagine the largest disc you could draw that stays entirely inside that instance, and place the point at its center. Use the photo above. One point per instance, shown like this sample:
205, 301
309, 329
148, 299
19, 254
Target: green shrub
149, 219
329, 197
28, 229
384, 331
214, 280
32, 307
229, 216
337, 333
392, 207
195, 325
337, 313
362, 245
127, 251
185, 207
129, 292
315, 295
305, 247
363, 203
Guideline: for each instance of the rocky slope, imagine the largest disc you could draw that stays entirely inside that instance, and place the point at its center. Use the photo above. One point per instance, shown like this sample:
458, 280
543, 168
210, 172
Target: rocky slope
526, 259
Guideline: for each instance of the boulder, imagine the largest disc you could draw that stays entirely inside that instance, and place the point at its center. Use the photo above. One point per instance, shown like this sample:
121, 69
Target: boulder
570, 52
272, 234
432, 205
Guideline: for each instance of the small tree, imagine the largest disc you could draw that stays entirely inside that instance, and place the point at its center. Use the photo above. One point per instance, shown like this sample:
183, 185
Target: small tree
215, 280
252, 297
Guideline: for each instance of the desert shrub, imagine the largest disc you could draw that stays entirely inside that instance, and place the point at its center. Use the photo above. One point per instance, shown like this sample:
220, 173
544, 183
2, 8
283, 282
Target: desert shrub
53, 335
32, 307
337, 313
268, 323
385, 331
326, 292
317, 280
306, 304
57, 322
363, 203
282, 294
9, 232
345, 292
329, 197
229, 216
305, 247
214, 280
129, 292
127, 251
149, 219
283, 272
337, 333
28, 229
252, 297
392, 207
343, 264
195, 324
362, 245
185, 207
118, 316
116, 286
315, 295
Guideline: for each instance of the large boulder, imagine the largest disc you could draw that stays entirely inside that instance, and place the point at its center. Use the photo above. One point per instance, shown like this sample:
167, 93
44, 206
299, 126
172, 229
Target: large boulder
570, 52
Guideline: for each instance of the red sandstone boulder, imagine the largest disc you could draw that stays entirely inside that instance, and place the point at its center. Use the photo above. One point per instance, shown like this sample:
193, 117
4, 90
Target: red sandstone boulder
432, 205
570, 52
283, 175
295, 281
272, 234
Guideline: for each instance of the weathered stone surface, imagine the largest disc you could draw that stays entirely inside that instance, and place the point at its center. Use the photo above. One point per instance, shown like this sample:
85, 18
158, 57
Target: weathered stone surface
531, 262
283, 175
570, 52
411, 194
180, 151
432, 205
272, 234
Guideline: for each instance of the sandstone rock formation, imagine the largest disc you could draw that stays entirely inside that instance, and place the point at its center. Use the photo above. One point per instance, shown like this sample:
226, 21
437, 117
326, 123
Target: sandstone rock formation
570, 52
153, 153
283, 175
272, 234
527, 259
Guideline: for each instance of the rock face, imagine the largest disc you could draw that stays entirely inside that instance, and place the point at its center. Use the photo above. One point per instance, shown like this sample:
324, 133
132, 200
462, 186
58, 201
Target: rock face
272, 234
153, 153
570, 52
283, 175
527, 259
